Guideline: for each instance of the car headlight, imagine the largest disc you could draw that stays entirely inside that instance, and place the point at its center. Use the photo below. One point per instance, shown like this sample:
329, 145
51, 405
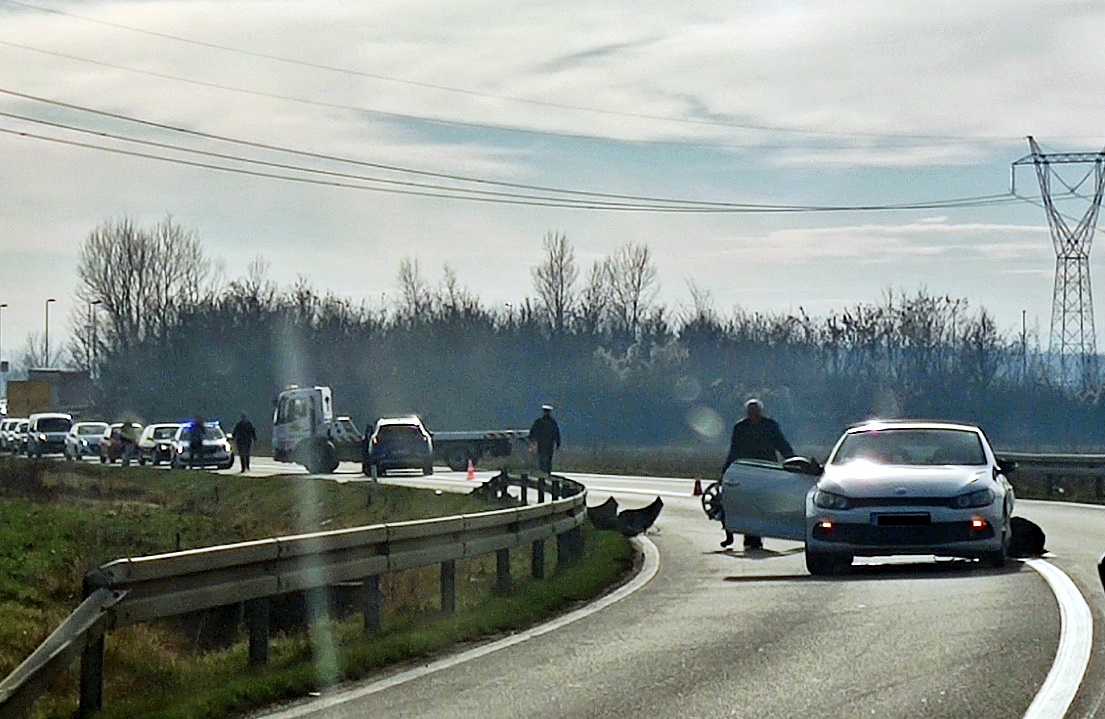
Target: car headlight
828, 500
981, 498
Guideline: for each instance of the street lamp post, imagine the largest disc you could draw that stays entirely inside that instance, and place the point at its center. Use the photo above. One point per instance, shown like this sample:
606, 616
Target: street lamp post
3, 370
47, 359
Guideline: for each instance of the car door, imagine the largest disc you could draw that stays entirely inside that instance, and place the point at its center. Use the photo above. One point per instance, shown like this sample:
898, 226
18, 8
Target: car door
763, 499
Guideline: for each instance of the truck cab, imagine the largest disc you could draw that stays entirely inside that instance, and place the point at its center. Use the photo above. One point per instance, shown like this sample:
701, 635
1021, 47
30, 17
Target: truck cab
305, 431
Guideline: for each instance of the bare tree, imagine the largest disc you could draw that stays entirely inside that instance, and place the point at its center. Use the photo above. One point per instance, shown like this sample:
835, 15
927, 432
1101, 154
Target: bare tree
554, 280
594, 300
633, 287
141, 278
34, 352
415, 299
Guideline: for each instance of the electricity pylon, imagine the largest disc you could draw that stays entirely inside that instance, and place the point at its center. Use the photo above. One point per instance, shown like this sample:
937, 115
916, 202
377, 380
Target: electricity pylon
1073, 341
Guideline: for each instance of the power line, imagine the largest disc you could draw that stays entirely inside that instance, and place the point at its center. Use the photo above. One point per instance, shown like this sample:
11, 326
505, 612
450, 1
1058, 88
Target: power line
493, 197
646, 203
510, 98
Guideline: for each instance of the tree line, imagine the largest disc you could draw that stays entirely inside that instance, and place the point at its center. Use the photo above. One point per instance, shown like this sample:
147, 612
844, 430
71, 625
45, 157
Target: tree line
173, 337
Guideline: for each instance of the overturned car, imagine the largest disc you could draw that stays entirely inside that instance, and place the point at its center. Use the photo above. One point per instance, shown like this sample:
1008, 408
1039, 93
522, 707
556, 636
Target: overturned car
887, 488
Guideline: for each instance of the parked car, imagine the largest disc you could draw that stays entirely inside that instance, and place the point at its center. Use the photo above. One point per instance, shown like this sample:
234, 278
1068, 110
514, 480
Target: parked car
897, 487
19, 436
399, 443
216, 448
156, 443
118, 442
8, 434
83, 439
46, 433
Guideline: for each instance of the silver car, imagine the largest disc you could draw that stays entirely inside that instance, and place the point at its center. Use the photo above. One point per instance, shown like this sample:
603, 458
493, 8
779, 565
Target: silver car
888, 488
83, 439
156, 443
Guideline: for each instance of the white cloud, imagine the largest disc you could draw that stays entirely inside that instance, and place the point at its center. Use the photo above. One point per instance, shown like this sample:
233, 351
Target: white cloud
851, 69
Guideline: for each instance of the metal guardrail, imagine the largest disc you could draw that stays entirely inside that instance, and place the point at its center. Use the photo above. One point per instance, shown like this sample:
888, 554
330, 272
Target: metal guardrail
129, 591
1054, 468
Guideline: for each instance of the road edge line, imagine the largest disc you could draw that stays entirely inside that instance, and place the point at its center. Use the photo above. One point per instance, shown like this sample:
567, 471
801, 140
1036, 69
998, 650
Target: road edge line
649, 568
1072, 657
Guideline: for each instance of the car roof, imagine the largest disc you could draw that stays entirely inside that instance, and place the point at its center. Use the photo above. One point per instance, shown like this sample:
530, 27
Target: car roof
875, 424
406, 419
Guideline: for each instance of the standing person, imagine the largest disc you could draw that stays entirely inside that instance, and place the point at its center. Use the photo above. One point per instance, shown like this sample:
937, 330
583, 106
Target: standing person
195, 442
128, 438
545, 436
244, 435
755, 437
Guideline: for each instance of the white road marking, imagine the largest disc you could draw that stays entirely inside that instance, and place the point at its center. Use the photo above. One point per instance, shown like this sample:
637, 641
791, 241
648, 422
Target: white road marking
1075, 642
648, 571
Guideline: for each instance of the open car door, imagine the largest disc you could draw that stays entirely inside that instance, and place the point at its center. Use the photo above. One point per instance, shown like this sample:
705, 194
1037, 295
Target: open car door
763, 499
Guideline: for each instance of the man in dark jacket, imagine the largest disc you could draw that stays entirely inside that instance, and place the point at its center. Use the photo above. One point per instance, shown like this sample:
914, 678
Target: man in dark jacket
755, 437
244, 435
195, 442
545, 436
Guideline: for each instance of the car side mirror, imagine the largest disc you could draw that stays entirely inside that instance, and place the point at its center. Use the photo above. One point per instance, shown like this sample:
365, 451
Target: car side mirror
803, 465
1007, 466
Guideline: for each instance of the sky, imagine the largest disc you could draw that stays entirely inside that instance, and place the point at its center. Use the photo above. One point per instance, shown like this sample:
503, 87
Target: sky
837, 104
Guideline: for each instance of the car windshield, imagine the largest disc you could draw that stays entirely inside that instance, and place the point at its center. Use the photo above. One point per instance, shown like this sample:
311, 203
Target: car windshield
53, 424
164, 432
91, 428
209, 432
399, 432
912, 446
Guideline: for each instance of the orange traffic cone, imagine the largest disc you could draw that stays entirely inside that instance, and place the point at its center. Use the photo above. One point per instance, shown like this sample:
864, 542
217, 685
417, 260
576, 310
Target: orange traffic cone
471, 471
697, 487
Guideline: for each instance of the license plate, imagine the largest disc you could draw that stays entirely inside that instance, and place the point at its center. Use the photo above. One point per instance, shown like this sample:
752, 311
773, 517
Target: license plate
913, 519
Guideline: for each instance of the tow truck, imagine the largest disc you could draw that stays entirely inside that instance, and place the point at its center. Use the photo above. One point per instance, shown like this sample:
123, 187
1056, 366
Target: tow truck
306, 431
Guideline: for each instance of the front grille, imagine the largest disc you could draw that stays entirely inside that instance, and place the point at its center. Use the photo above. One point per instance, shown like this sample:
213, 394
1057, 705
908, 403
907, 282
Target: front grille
901, 502
870, 535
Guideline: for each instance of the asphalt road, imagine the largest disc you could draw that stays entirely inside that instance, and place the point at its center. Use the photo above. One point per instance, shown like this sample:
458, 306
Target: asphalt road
724, 634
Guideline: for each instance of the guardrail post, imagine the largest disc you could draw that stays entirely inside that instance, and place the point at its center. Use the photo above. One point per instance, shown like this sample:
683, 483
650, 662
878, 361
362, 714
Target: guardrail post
92, 679
540, 490
449, 586
502, 570
576, 534
525, 488
91, 699
537, 564
257, 619
1050, 484
372, 602
1099, 487
554, 489
318, 604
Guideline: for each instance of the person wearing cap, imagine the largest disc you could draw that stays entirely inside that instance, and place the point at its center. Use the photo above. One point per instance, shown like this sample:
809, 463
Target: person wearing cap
755, 437
544, 435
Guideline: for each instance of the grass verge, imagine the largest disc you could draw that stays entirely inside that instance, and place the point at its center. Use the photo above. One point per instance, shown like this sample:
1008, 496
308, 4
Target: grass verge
336, 651
57, 521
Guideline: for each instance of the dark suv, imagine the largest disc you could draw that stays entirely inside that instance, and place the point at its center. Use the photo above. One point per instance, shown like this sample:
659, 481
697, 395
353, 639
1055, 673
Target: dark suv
399, 443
